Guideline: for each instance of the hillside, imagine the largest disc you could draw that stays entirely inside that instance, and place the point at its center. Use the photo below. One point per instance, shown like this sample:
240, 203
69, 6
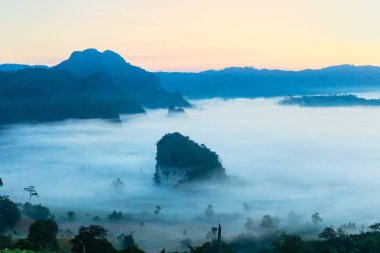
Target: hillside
141, 85
44, 95
251, 82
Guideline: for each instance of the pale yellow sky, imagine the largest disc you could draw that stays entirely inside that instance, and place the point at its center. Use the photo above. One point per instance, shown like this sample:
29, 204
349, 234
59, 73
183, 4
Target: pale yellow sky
194, 34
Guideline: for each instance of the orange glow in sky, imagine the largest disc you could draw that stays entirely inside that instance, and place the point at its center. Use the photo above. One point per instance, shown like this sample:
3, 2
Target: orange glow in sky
194, 35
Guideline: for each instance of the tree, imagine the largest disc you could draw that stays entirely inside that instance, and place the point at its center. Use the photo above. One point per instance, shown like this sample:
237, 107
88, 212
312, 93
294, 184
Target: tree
328, 234
117, 184
288, 244
375, 226
115, 216
31, 189
36, 212
92, 239
157, 210
268, 222
209, 211
71, 216
315, 218
9, 214
249, 225
42, 235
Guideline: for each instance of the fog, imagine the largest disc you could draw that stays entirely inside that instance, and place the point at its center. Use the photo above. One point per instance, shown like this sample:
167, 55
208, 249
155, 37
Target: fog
279, 159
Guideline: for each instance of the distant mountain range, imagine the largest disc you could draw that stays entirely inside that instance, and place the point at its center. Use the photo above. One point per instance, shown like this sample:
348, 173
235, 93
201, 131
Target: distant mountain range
90, 84
250, 82
93, 84
329, 101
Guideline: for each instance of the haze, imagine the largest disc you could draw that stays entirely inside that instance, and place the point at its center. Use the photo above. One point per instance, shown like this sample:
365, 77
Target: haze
279, 159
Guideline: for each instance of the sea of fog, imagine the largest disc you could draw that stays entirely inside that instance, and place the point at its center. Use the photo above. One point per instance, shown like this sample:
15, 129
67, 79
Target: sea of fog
279, 159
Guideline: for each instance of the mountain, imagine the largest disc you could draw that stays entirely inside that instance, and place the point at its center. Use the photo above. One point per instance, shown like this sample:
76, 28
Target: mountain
14, 67
329, 101
180, 159
44, 95
139, 84
251, 82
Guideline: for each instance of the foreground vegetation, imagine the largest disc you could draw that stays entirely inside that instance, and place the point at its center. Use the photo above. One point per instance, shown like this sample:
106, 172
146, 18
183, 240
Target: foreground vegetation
42, 235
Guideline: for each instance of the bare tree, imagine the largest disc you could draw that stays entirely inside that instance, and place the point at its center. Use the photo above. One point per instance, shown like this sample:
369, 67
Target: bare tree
31, 189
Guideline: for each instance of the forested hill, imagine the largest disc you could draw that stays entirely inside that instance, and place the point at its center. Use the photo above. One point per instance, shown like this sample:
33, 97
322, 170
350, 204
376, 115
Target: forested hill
139, 84
35, 95
251, 82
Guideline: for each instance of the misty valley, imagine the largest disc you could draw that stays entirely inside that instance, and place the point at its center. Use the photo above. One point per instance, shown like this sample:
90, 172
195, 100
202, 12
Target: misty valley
275, 172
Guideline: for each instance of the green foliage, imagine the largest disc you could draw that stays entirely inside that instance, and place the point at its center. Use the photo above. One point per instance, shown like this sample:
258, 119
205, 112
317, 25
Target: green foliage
42, 235
92, 239
132, 249
36, 211
328, 234
180, 158
16, 251
288, 244
5, 242
210, 247
9, 214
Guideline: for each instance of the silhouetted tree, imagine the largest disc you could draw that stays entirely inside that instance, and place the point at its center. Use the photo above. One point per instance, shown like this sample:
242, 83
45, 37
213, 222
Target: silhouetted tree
328, 234
31, 189
117, 184
71, 216
36, 211
249, 225
375, 226
288, 244
315, 218
157, 210
268, 222
42, 235
9, 214
92, 239
209, 211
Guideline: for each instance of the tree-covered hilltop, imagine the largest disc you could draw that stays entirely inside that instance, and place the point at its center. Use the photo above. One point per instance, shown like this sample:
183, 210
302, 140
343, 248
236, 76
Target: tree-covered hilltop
139, 84
37, 95
329, 101
179, 159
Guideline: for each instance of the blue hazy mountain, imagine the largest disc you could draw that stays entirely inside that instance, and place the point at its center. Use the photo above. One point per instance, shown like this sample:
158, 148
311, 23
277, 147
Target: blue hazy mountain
251, 82
139, 84
44, 95
329, 101
14, 67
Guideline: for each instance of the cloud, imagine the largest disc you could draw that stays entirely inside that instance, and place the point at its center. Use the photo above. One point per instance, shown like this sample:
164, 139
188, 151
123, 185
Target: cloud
280, 159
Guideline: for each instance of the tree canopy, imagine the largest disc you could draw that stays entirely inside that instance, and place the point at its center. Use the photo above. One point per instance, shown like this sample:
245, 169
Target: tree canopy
180, 159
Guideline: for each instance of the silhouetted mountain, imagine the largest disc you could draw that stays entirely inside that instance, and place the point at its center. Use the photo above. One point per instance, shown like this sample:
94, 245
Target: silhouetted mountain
43, 95
250, 82
141, 85
329, 101
14, 67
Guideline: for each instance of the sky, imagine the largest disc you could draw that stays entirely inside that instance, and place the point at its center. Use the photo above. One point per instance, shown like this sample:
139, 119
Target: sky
195, 35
